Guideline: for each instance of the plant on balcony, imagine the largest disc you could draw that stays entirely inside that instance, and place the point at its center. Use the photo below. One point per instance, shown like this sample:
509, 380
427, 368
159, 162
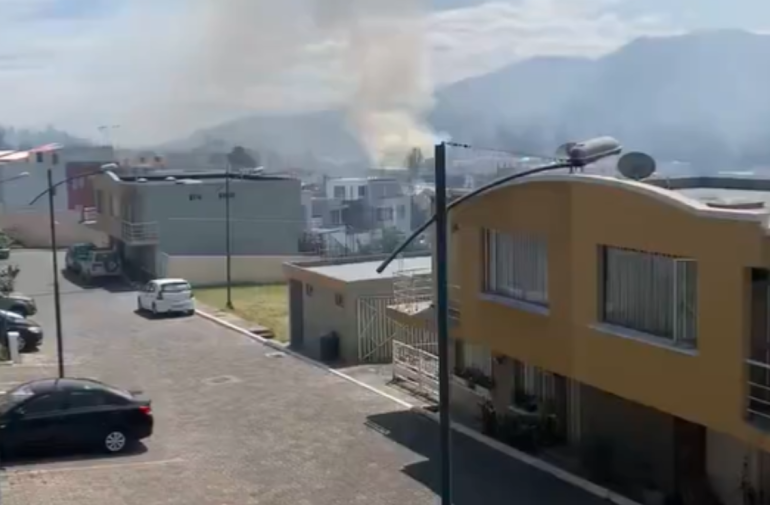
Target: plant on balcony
526, 402
474, 377
488, 418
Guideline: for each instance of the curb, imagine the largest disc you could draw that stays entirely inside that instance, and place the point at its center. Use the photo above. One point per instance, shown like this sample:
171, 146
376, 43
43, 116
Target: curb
509, 451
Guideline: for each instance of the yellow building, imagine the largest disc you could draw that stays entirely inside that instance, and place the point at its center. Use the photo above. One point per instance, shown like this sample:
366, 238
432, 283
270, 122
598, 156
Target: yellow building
636, 316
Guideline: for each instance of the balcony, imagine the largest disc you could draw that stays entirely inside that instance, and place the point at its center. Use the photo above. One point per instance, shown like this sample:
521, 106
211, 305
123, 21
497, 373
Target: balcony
88, 215
137, 234
413, 293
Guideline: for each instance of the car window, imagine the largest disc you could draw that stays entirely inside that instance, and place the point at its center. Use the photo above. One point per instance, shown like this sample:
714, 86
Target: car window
85, 399
43, 404
176, 287
108, 390
6, 314
14, 397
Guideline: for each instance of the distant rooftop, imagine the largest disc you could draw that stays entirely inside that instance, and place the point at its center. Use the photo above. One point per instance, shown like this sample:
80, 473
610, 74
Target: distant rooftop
366, 270
160, 176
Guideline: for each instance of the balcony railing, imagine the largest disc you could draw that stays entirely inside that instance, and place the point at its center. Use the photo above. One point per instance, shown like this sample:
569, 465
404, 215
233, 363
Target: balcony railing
413, 291
139, 233
88, 214
758, 393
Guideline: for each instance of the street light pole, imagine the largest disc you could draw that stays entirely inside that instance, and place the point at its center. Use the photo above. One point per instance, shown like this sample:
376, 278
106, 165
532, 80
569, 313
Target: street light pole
442, 324
227, 238
56, 289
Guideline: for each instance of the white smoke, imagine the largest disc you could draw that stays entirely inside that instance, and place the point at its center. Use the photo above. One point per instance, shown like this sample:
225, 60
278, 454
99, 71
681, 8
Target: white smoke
236, 50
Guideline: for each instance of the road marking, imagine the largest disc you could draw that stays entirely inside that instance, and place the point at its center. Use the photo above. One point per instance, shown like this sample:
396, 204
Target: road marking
138, 464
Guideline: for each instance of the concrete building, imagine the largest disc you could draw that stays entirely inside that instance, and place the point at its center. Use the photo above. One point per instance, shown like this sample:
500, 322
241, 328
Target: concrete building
29, 224
629, 319
347, 297
159, 214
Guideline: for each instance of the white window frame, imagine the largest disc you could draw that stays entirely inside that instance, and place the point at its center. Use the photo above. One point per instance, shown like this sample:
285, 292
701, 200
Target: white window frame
516, 266
650, 293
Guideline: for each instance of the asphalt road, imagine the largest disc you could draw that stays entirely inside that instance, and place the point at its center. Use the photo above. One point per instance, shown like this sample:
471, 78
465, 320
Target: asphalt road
238, 424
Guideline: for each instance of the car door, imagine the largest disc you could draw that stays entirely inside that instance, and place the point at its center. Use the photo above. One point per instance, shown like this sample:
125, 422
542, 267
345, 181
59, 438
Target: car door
145, 295
86, 416
37, 422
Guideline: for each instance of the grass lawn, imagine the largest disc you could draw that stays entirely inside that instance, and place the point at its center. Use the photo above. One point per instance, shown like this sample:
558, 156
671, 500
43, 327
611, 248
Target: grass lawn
263, 305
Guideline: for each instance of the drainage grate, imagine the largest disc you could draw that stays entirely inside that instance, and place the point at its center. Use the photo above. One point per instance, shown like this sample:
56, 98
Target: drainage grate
223, 379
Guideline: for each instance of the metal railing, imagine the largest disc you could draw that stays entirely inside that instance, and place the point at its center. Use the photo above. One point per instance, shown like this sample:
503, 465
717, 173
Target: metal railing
758, 391
88, 214
416, 367
413, 290
139, 233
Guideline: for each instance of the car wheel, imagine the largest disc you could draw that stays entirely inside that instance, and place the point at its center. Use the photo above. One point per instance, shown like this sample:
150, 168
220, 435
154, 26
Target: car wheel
190, 313
23, 344
115, 441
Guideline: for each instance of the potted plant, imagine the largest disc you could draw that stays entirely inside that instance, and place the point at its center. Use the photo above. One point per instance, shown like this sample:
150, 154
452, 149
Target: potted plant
5, 246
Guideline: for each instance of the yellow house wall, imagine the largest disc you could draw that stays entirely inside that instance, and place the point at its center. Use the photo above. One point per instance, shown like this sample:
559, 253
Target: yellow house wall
707, 387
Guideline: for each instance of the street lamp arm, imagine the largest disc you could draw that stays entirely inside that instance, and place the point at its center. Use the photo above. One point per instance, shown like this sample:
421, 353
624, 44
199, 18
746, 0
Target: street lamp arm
65, 181
476, 192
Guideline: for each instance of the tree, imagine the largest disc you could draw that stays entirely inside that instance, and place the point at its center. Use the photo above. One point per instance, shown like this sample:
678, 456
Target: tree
414, 161
239, 158
8, 278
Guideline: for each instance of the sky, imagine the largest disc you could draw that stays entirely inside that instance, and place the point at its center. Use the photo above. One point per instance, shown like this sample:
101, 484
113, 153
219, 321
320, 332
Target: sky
149, 66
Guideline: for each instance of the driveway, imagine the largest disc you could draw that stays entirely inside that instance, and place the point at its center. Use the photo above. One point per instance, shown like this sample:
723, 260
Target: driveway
237, 423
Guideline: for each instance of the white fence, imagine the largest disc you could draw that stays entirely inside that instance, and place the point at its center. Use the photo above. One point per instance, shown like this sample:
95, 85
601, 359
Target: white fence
417, 369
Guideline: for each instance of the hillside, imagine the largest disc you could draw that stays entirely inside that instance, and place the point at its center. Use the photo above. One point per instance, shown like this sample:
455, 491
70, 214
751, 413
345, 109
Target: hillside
700, 97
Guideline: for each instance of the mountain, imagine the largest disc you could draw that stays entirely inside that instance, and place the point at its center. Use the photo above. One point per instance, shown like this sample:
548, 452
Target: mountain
700, 97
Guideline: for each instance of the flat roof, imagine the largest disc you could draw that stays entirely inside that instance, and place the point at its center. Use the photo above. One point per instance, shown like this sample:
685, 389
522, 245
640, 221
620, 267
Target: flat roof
726, 196
366, 270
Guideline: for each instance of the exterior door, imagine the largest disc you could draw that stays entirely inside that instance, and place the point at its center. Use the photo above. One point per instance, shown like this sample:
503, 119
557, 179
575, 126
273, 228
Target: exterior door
38, 423
296, 313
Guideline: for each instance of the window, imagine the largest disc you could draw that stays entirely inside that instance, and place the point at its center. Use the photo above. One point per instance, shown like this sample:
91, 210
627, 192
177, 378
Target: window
193, 197
401, 211
361, 191
39, 157
55, 159
308, 290
473, 357
531, 385
339, 192
86, 399
336, 217
650, 292
385, 214
175, 287
223, 195
516, 266
43, 404
339, 300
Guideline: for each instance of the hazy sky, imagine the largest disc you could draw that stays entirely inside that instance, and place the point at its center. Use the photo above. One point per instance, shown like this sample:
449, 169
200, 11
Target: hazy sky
83, 63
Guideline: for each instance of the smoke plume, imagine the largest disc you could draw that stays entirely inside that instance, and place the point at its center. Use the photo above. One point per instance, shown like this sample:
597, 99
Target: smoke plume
376, 61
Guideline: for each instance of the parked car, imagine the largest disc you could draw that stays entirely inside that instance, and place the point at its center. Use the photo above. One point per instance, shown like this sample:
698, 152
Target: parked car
99, 263
18, 303
72, 413
166, 296
30, 332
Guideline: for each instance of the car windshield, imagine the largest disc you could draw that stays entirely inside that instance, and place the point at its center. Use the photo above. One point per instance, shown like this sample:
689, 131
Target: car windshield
14, 397
7, 314
110, 389
175, 287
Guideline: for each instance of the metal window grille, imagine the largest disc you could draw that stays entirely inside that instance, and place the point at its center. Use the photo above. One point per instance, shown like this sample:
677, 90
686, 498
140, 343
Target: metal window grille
516, 266
650, 292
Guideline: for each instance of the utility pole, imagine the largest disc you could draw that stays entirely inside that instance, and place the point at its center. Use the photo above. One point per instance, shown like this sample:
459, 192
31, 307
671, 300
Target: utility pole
56, 289
227, 238
442, 325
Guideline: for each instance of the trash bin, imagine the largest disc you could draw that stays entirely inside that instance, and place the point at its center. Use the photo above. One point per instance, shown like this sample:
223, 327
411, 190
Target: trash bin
329, 345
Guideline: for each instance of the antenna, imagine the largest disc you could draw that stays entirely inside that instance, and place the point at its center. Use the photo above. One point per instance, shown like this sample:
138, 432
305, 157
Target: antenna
636, 166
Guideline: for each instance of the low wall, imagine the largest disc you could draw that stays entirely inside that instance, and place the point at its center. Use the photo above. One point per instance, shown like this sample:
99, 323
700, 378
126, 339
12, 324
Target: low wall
211, 270
33, 229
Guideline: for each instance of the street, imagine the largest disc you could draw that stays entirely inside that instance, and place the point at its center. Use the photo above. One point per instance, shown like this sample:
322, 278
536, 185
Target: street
238, 423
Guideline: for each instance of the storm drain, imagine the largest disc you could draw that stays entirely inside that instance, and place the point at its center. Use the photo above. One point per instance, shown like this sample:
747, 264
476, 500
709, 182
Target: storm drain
222, 379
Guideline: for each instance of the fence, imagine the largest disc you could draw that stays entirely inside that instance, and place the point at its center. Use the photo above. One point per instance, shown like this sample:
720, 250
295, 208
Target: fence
417, 368
211, 270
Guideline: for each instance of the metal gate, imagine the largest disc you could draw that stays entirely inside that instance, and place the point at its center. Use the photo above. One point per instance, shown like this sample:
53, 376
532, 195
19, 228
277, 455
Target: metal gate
377, 331
416, 370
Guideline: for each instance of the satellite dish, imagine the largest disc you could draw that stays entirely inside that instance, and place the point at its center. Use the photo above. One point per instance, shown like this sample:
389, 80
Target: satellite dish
563, 150
636, 166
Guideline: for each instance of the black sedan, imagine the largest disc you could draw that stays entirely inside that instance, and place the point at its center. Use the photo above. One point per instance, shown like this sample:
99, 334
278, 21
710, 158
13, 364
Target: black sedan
72, 413
30, 333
